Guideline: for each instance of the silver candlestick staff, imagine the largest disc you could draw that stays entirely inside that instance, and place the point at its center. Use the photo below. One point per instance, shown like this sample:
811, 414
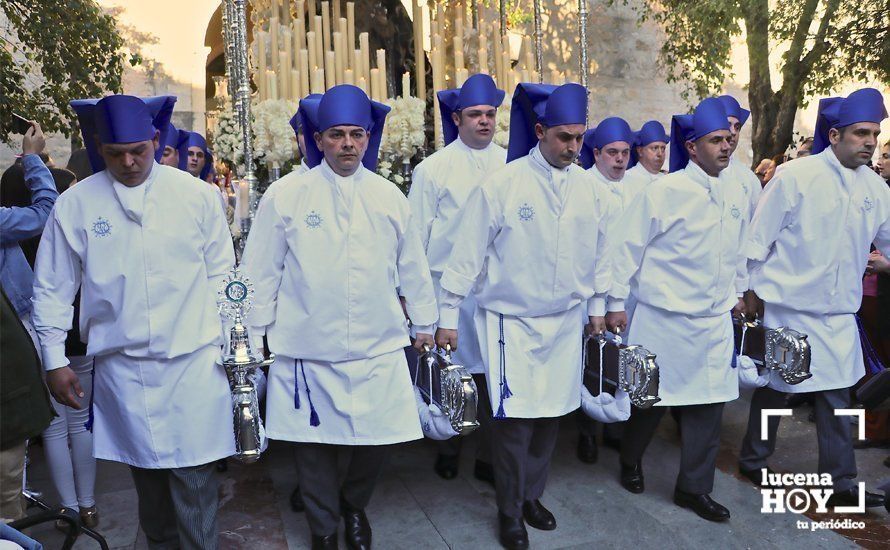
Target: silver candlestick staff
539, 46
582, 31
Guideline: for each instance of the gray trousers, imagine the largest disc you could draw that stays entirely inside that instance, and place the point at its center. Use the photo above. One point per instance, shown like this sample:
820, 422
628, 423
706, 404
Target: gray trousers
451, 447
588, 426
833, 433
521, 449
699, 442
322, 486
178, 506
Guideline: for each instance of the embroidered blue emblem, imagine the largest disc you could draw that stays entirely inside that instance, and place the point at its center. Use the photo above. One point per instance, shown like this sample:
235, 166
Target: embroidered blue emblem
868, 205
313, 220
101, 227
526, 212
735, 211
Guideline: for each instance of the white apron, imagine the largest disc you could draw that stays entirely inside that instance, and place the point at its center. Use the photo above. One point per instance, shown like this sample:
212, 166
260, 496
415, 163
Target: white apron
694, 355
835, 351
359, 402
167, 413
542, 361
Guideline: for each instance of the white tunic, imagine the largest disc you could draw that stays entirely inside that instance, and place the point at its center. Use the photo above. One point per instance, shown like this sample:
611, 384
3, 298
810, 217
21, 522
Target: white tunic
809, 247
325, 255
440, 187
148, 261
532, 243
739, 174
681, 256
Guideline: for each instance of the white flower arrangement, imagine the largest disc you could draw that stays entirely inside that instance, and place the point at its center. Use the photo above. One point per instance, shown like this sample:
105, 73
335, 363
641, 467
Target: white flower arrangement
384, 168
403, 133
274, 138
227, 143
502, 127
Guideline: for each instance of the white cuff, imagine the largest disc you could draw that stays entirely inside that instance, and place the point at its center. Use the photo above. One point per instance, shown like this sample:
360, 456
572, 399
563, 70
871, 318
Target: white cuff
54, 357
425, 329
614, 304
596, 306
448, 317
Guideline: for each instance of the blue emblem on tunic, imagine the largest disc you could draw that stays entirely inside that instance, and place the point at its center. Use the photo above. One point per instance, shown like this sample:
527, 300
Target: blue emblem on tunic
735, 211
101, 227
526, 212
868, 205
313, 220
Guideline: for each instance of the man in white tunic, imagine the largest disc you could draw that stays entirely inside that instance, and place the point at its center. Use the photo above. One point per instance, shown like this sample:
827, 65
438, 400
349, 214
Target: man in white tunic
808, 249
737, 172
649, 152
147, 248
606, 154
440, 187
530, 245
681, 257
325, 254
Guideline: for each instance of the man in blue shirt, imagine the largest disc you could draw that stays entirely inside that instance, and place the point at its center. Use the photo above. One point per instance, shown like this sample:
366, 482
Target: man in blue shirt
16, 279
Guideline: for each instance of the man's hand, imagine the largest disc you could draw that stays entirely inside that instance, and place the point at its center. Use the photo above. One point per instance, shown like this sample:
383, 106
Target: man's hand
445, 336
753, 305
616, 321
597, 325
33, 142
740, 309
423, 340
877, 263
65, 386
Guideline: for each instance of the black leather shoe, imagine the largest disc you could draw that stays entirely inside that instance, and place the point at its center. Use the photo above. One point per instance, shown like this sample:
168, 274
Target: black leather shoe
296, 501
850, 497
446, 466
222, 465
483, 471
887, 462
755, 476
588, 452
703, 505
534, 514
632, 477
324, 543
511, 533
358, 530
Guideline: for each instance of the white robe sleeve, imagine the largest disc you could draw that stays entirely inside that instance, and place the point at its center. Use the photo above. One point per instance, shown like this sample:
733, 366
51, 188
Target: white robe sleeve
742, 278
423, 196
607, 230
477, 229
57, 278
263, 264
774, 212
219, 251
639, 225
415, 281
882, 237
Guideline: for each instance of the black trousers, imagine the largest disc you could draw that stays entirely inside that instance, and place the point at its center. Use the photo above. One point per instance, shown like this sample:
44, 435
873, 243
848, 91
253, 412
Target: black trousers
699, 442
521, 449
328, 473
451, 447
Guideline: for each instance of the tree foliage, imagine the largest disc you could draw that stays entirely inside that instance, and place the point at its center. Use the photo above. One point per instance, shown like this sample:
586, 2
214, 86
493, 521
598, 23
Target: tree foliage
54, 51
824, 43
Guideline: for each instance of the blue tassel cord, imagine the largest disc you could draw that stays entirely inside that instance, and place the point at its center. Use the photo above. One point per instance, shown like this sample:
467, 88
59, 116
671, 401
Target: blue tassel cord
313, 414
90, 418
505, 392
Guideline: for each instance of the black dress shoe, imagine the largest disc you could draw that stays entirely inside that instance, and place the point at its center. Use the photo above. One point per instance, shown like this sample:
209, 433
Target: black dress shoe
755, 476
324, 543
632, 477
446, 466
850, 497
296, 501
358, 530
887, 462
703, 505
511, 533
222, 465
534, 514
483, 471
587, 449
